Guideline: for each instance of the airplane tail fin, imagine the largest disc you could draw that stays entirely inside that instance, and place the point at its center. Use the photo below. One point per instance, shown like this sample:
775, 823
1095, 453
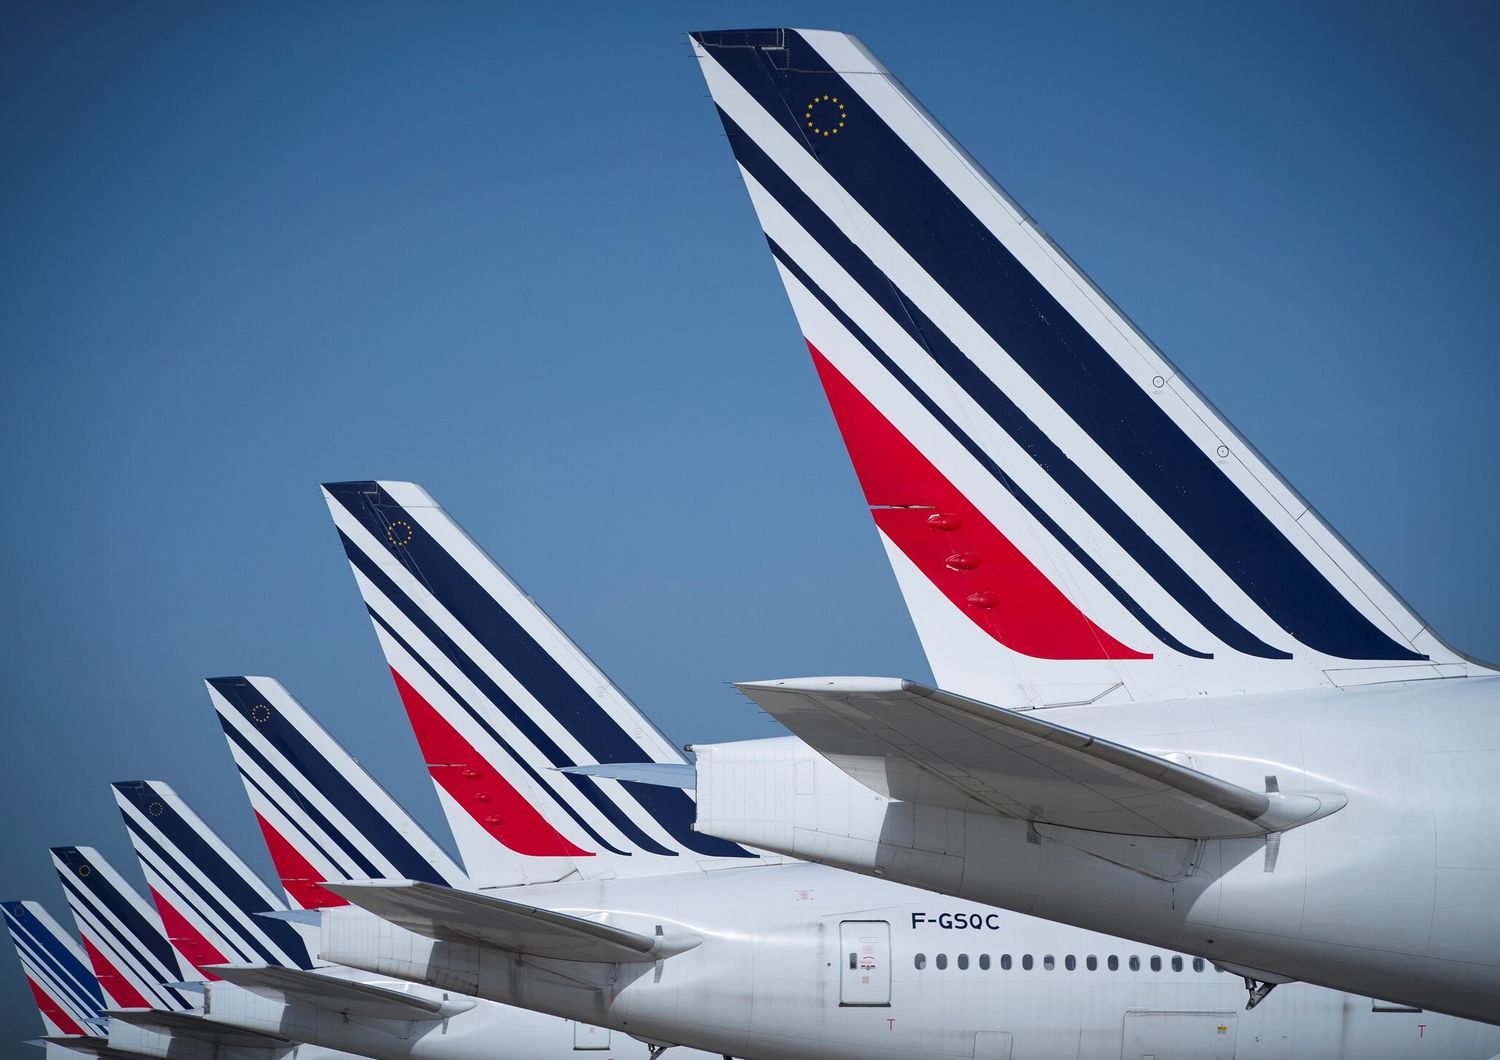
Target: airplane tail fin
325, 819
131, 955
1069, 519
66, 992
501, 701
212, 906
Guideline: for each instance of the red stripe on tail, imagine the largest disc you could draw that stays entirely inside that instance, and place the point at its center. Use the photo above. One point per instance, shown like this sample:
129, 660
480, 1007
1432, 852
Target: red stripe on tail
120, 990
478, 787
188, 940
52, 1010
950, 541
298, 877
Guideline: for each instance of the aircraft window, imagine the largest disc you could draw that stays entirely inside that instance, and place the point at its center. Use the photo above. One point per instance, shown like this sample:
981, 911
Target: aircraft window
984, 962
1070, 962
1176, 964
1135, 964
963, 962
1005, 962
1114, 963
1198, 964
1026, 962
920, 961
1049, 962
1091, 963
1156, 964
942, 961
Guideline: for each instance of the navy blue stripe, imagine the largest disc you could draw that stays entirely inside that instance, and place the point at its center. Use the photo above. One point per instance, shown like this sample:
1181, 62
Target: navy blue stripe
63, 974
977, 452
137, 942
306, 833
128, 958
873, 165
456, 590
1006, 414
328, 781
203, 861
78, 998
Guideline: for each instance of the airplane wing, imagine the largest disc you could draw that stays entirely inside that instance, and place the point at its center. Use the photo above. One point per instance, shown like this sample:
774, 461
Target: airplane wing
297, 985
192, 1025
453, 915
919, 744
88, 1045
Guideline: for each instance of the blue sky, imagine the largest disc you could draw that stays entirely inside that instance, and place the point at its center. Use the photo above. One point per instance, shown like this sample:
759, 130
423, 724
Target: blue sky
504, 251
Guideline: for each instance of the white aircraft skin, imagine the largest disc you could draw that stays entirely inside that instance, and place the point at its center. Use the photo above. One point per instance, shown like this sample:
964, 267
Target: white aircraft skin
318, 829
466, 1028
1081, 536
1355, 899
766, 981
755, 956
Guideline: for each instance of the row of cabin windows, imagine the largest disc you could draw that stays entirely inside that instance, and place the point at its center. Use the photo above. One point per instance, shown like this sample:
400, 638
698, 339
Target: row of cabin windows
1049, 962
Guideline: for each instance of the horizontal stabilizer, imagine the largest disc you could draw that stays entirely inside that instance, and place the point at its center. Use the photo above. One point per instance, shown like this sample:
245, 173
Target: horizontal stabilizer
86, 1045
192, 1025
462, 916
662, 774
922, 745
298, 986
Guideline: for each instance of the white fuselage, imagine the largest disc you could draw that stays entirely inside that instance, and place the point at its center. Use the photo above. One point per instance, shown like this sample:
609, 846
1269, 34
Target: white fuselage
1393, 896
484, 1031
802, 961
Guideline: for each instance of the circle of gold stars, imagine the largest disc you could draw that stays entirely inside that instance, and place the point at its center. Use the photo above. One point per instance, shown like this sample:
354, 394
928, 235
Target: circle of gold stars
260, 713
85, 870
399, 533
826, 124
156, 809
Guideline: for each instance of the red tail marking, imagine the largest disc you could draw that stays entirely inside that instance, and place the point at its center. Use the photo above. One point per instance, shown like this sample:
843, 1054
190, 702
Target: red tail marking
478, 787
52, 1010
120, 990
188, 940
1026, 612
298, 877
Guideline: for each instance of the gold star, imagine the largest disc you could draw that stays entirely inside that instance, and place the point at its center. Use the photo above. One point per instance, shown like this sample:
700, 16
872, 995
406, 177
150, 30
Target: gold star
825, 97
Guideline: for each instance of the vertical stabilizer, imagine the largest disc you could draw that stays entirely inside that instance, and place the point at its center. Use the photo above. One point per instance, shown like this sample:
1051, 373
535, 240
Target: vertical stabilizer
66, 992
131, 955
324, 817
501, 701
210, 903
1069, 519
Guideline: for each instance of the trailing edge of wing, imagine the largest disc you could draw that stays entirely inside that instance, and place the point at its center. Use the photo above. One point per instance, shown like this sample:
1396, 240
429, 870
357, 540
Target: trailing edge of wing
192, 1025
294, 985
87, 1045
463, 916
924, 745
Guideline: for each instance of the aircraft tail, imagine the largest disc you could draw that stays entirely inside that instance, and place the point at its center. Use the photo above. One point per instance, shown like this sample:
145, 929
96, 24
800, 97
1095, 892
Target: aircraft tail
325, 819
1069, 519
502, 701
212, 906
66, 992
132, 957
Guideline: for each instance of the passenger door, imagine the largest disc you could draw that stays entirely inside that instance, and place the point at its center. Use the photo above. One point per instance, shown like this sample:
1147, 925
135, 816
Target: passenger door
865, 962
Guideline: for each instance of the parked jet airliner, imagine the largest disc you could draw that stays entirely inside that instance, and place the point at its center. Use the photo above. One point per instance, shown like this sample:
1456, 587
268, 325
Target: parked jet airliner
1175, 704
598, 903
